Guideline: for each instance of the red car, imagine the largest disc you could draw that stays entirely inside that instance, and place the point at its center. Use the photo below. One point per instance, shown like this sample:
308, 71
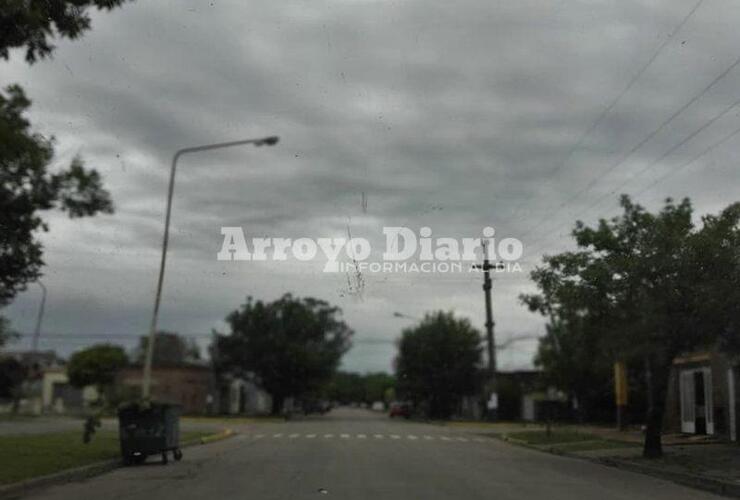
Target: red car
400, 410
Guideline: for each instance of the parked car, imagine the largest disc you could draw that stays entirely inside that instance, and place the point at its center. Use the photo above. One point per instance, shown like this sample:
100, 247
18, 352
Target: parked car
400, 410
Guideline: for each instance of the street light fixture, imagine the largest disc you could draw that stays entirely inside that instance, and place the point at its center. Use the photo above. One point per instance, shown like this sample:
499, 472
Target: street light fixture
265, 141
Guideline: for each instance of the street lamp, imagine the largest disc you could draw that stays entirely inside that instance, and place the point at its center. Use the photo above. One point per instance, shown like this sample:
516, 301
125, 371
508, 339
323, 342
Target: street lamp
265, 141
39, 318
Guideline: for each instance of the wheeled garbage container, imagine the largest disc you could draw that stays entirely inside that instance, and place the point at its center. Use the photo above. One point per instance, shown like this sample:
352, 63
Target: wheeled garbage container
151, 429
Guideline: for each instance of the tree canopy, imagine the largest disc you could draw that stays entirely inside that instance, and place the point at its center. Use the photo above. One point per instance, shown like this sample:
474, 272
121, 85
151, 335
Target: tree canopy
31, 24
438, 362
96, 365
293, 345
641, 288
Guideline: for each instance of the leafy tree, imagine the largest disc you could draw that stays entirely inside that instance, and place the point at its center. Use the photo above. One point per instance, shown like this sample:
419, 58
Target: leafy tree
12, 375
376, 385
97, 366
27, 187
438, 362
169, 349
641, 288
346, 387
293, 345
32, 23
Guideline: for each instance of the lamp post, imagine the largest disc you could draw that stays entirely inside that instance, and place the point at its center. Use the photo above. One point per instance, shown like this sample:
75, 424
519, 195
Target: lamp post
265, 141
39, 318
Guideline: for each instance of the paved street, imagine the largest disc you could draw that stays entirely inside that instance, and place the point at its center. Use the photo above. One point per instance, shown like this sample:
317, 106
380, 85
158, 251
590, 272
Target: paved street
357, 454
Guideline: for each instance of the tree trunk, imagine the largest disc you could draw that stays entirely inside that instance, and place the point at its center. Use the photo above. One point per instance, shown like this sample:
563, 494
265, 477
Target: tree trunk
656, 383
277, 404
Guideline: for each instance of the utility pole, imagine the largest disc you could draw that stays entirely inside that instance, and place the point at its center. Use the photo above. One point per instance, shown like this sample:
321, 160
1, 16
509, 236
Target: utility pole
39, 318
487, 286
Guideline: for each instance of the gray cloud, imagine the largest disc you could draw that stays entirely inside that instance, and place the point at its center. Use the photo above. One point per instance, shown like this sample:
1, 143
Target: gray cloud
451, 115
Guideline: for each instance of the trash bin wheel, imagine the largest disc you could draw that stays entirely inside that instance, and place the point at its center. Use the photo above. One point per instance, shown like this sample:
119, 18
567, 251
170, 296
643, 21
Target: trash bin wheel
164, 458
177, 454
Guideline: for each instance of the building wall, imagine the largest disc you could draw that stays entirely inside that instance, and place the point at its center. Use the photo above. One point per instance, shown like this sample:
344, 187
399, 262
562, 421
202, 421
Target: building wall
188, 386
718, 364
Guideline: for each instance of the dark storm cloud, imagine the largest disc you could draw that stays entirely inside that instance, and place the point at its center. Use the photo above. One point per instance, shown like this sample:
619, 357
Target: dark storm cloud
452, 115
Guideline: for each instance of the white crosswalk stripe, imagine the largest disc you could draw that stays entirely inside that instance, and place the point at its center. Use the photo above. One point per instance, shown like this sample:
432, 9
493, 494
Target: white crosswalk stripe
364, 436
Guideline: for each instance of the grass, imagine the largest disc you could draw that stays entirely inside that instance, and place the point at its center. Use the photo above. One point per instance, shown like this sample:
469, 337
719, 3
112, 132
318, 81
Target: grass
31, 455
556, 436
567, 440
225, 419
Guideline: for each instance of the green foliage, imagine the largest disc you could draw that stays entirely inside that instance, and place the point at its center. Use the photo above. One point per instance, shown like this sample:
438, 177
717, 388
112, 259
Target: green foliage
96, 365
348, 387
641, 288
32, 23
438, 362
27, 187
293, 345
12, 375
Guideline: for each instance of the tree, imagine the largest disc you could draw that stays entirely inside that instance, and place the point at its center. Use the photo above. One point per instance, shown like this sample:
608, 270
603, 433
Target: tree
27, 187
293, 345
641, 288
31, 24
169, 349
376, 385
438, 362
12, 375
96, 366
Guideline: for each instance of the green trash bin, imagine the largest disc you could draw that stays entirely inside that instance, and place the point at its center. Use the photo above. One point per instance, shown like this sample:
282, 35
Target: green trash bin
146, 430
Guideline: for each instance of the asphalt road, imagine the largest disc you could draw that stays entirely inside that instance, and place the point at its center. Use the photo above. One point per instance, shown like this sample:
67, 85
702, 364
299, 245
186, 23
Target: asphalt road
357, 454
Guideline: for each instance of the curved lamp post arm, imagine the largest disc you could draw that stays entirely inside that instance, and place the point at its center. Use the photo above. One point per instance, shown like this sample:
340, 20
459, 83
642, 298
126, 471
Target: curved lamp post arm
265, 141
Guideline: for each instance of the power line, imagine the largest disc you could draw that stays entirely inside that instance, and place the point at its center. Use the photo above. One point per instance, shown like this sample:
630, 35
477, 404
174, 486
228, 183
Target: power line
716, 144
618, 98
635, 148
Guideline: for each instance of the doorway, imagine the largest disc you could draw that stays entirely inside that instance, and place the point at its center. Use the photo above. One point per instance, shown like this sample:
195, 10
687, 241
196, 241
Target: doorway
696, 401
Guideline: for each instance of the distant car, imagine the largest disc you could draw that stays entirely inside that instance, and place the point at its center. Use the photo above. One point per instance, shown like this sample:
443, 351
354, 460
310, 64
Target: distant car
400, 410
378, 406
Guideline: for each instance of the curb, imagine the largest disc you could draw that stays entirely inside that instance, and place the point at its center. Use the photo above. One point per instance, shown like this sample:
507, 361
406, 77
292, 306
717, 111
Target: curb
711, 485
16, 490
717, 486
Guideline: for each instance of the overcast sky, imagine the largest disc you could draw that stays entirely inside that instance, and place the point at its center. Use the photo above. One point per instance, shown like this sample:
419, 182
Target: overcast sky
453, 115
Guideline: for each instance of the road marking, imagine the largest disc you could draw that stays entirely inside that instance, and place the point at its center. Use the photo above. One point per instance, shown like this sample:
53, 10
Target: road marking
293, 436
464, 440
428, 438
328, 436
344, 436
395, 436
259, 436
278, 435
412, 437
479, 440
362, 436
378, 436
310, 436
445, 438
